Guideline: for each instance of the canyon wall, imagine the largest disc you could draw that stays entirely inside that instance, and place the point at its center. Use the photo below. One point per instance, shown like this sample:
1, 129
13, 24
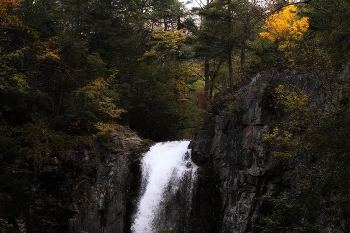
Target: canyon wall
236, 167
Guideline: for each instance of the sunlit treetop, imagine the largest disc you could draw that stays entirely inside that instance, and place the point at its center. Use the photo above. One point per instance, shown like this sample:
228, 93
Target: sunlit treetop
285, 25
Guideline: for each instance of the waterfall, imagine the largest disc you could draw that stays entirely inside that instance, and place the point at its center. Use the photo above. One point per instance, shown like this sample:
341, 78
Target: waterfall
168, 176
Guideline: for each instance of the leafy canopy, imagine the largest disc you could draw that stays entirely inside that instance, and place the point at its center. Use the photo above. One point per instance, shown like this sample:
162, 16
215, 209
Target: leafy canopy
285, 26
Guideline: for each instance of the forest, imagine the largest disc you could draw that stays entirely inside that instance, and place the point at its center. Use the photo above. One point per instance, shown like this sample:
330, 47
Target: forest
71, 70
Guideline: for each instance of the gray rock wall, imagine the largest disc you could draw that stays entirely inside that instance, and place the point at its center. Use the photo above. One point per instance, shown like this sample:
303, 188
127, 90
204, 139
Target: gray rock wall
243, 171
91, 190
105, 201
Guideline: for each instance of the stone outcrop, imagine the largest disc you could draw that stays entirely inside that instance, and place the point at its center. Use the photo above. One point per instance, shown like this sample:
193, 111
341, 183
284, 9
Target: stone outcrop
236, 168
92, 189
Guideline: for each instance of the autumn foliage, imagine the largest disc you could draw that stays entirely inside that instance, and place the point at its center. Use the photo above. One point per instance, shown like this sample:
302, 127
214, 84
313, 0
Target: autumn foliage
6, 18
11, 2
284, 26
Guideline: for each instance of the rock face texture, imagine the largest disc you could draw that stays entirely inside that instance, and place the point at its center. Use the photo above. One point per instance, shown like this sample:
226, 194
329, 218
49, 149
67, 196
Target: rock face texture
96, 189
105, 199
93, 189
236, 168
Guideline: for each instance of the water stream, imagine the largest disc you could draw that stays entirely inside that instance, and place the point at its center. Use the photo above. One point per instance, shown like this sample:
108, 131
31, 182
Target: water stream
168, 175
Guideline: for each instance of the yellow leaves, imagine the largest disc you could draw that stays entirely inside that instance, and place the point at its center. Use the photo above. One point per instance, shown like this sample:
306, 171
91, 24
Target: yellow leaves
170, 37
283, 140
268, 36
107, 106
98, 96
286, 136
165, 48
299, 27
50, 49
276, 135
103, 127
296, 105
284, 26
165, 43
4, 225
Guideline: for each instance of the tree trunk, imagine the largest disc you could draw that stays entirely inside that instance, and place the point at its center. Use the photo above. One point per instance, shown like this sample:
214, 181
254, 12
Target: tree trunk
230, 45
206, 75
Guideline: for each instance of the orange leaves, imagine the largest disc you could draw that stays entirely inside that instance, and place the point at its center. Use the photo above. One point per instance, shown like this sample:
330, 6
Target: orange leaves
11, 2
284, 26
50, 49
6, 17
268, 36
5, 4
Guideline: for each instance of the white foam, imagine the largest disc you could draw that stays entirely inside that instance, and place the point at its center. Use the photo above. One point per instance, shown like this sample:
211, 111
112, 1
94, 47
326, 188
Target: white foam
163, 163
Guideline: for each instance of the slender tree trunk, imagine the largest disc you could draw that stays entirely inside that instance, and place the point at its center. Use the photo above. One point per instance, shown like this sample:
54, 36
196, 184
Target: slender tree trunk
242, 58
246, 31
230, 45
213, 75
206, 75
230, 67
207, 84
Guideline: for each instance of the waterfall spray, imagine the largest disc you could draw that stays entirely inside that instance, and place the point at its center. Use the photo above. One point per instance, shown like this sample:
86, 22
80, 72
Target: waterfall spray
168, 176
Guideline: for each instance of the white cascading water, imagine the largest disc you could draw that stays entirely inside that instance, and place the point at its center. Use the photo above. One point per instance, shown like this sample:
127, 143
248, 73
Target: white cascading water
166, 168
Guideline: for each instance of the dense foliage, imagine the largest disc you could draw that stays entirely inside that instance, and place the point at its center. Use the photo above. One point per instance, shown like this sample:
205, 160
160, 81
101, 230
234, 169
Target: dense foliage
314, 134
69, 68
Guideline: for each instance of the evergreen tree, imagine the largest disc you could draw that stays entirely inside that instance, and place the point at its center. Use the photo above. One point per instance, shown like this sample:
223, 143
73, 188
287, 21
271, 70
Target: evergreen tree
226, 29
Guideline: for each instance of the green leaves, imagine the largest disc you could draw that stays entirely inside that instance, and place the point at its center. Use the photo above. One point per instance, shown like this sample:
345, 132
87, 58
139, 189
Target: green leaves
285, 217
94, 102
297, 115
166, 45
319, 201
14, 179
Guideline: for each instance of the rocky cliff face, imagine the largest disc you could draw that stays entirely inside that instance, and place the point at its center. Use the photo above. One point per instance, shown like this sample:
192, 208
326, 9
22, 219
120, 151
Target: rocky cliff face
91, 190
236, 168
95, 190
